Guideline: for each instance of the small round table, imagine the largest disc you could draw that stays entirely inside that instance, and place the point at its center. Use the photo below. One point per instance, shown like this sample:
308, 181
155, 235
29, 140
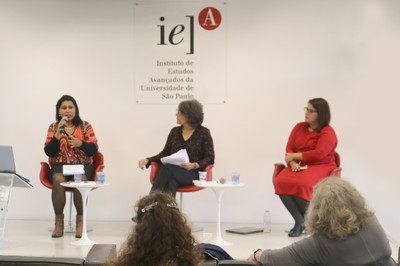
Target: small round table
219, 191
84, 188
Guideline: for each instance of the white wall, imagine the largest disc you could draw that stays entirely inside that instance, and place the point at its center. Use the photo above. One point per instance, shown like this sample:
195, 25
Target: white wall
280, 54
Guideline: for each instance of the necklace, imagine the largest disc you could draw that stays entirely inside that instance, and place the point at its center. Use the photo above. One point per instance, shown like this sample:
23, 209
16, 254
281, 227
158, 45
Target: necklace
70, 127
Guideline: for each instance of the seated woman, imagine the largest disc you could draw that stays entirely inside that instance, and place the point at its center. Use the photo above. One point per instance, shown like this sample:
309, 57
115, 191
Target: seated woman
161, 235
312, 144
69, 141
193, 137
343, 232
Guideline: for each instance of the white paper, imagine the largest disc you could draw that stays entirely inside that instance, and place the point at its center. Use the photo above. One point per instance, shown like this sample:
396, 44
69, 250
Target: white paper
177, 158
85, 183
71, 169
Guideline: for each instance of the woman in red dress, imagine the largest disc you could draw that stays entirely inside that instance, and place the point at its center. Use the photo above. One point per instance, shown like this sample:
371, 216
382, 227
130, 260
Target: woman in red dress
310, 158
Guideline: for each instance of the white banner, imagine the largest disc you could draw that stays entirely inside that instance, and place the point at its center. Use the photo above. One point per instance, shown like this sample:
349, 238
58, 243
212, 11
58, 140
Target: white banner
180, 51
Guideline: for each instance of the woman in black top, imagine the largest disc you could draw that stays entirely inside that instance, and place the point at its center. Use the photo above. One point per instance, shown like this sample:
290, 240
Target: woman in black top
193, 137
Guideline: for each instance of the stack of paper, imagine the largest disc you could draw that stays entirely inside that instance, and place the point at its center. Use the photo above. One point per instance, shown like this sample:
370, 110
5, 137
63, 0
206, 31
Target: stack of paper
177, 158
71, 169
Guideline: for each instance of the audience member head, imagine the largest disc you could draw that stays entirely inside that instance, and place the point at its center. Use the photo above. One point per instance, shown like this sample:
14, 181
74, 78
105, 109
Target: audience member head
323, 111
161, 235
336, 210
193, 112
66, 98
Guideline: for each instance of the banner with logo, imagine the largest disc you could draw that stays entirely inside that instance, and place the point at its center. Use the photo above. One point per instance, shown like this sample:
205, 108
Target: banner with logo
180, 51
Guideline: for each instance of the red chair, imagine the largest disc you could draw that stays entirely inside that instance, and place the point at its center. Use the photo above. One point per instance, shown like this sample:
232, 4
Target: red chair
278, 167
154, 167
98, 164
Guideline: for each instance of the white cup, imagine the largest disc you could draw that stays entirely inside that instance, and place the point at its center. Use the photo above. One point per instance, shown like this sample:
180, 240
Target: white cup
203, 176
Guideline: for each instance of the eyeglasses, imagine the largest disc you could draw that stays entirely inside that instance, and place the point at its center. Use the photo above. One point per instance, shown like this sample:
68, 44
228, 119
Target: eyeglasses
308, 110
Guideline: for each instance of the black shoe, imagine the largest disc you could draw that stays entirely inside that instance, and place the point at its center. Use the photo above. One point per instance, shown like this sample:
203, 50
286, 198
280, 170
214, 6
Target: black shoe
297, 230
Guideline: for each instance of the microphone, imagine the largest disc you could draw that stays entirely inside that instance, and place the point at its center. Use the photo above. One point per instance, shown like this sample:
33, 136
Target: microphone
62, 130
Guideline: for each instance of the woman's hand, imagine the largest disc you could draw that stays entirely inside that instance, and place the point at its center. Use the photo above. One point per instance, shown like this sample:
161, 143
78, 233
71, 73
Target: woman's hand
189, 166
143, 163
74, 142
62, 123
58, 132
295, 166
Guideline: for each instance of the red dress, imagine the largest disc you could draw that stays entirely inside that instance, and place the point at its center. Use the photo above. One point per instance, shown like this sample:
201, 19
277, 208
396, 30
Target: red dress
318, 154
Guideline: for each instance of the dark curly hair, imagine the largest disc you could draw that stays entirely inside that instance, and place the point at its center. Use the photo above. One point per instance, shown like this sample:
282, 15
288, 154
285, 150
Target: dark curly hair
161, 235
193, 111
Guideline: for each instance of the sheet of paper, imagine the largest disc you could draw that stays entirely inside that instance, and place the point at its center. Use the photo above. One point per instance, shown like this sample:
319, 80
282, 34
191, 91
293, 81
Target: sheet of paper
304, 167
177, 158
88, 183
71, 169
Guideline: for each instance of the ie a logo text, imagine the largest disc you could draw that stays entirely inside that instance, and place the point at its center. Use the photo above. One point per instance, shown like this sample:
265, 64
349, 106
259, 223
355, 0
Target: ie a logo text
209, 19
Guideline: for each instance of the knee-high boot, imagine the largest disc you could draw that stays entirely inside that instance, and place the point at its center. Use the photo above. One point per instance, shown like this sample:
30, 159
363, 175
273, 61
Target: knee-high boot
58, 226
79, 226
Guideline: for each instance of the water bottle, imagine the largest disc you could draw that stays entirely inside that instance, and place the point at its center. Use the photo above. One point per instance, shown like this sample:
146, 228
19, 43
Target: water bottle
100, 177
77, 178
267, 222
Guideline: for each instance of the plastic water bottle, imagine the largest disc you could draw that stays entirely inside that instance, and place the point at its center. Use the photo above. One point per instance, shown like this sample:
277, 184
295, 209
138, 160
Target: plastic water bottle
77, 178
100, 177
267, 222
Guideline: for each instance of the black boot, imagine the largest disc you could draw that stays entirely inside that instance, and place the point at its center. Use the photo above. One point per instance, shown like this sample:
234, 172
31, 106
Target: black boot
297, 230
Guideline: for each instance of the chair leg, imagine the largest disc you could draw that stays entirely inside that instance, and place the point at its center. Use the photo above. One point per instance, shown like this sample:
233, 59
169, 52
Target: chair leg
194, 228
180, 202
70, 228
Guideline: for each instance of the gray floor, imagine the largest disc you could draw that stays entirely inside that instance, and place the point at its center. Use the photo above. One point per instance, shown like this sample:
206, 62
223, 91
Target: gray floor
33, 238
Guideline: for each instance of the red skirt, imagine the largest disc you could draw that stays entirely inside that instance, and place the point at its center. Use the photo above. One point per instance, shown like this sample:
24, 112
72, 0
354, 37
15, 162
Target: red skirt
301, 183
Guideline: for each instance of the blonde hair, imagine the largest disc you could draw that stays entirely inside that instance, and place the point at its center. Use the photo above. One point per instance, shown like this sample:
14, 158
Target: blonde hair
336, 210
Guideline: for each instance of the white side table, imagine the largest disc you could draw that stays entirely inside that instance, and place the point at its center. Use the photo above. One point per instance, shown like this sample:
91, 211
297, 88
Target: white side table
84, 188
219, 191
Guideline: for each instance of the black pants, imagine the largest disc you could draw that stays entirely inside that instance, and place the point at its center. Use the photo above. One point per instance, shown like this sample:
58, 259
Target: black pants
170, 177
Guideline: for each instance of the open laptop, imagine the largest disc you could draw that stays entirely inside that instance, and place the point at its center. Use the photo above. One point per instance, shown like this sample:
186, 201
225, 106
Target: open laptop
7, 165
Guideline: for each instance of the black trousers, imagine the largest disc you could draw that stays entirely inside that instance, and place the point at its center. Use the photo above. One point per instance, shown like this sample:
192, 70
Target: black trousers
170, 177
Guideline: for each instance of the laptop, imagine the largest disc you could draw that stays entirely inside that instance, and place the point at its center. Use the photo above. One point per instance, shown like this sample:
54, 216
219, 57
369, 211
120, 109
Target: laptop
7, 165
244, 230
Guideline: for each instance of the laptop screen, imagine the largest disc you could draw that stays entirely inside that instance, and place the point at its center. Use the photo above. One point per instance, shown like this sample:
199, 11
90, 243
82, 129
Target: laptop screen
7, 164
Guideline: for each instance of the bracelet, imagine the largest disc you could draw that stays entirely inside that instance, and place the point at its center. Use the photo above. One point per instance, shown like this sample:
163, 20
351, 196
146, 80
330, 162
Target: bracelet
255, 252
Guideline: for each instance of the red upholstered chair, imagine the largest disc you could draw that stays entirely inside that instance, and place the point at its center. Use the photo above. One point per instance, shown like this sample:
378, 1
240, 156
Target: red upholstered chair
278, 167
154, 167
98, 164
